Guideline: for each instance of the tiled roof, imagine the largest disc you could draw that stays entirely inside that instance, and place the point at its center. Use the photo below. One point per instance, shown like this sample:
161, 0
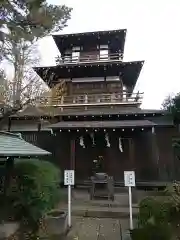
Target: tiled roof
13, 145
30, 111
33, 111
102, 124
106, 111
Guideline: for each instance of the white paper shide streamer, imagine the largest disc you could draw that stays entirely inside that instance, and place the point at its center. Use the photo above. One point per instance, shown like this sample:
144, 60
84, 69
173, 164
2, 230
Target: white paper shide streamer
81, 142
92, 137
120, 145
107, 140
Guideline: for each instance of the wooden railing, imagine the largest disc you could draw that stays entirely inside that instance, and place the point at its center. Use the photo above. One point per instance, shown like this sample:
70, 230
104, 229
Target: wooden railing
92, 99
89, 58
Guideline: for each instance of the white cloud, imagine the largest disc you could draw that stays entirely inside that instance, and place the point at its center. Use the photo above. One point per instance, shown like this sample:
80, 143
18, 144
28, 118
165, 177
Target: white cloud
153, 35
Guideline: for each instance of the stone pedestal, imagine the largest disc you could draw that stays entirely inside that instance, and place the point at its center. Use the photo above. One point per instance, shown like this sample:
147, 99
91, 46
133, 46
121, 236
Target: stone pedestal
56, 223
7, 229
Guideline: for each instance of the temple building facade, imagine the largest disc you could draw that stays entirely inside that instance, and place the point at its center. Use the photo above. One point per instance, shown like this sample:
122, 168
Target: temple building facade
94, 115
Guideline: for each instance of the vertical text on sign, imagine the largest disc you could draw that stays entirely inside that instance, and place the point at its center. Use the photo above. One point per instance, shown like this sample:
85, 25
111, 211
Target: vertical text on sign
69, 177
129, 179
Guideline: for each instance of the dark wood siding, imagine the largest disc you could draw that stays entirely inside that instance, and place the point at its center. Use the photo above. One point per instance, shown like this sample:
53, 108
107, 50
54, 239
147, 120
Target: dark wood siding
151, 156
166, 156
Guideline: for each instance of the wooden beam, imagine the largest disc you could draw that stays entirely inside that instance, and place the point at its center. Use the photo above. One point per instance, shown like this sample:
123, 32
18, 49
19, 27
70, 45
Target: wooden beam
155, 151
72, 153
131, 152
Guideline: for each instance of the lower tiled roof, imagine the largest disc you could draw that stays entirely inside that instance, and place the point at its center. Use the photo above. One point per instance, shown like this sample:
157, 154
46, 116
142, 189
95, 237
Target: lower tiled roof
33, 111
102, 124
12, 145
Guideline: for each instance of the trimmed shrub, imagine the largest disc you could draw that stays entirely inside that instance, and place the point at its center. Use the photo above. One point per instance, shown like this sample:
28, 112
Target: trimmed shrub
152, 232
33, 191
152, 210
153, 220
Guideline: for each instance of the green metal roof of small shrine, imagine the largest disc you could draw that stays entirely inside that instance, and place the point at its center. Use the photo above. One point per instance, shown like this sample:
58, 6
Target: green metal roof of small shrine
13, 145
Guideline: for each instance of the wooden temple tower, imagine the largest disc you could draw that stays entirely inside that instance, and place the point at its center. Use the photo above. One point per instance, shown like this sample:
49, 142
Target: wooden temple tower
94, 113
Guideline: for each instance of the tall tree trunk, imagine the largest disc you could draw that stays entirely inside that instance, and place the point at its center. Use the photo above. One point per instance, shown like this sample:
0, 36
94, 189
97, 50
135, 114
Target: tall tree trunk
18, 75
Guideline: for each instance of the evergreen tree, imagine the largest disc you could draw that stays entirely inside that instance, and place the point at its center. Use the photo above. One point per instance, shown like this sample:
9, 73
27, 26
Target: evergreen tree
22, 23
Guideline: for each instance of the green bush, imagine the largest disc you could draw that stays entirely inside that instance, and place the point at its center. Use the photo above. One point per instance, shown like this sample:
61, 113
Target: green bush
153, 220
173, 194
34, 190
162, 214
152, 232
153, 210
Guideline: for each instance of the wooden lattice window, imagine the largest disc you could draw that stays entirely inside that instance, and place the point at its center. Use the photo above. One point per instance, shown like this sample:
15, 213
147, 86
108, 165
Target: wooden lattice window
30, 137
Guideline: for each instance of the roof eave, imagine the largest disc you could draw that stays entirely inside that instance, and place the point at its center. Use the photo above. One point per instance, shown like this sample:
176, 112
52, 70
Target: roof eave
115, 63
57, 37
103, 124
16, 155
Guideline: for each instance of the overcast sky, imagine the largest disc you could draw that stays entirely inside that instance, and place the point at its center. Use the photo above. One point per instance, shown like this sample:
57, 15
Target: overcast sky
153, 35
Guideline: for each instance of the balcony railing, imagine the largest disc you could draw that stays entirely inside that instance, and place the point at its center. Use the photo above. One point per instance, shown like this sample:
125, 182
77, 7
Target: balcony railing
69, 59
92, 100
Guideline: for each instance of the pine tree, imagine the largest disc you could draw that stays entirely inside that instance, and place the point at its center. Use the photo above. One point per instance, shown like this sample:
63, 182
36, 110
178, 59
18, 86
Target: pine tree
26, 21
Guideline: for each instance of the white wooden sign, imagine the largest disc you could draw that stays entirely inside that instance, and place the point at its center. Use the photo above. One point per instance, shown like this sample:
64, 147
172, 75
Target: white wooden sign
129, 179
69, 177
69, 181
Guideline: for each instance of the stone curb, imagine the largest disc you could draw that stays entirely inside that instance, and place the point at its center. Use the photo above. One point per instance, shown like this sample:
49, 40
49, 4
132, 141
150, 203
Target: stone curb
102, 214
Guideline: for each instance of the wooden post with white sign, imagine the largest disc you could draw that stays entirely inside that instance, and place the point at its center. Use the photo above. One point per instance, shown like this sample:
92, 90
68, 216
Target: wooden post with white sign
69, 181
129, 181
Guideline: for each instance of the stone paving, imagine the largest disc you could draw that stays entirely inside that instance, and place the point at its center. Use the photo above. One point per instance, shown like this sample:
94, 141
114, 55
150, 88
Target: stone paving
99, 219
97, 229
82, 206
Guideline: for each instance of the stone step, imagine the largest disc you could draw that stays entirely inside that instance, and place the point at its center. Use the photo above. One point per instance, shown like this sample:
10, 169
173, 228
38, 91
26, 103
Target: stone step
120, 199
103, 212
104, 203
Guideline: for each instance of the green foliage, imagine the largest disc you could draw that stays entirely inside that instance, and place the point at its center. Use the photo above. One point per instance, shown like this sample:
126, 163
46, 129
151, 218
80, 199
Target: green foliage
153, 220
172, 104
160, 217
152, 232
153, 211
173, 193
23, 22
32, 18
34, 190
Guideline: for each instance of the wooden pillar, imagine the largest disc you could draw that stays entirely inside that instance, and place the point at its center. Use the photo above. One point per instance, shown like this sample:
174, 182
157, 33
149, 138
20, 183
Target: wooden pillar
155, 152
9, 124
105, 82
70, 86
132, 167
72, 154
8, 173
131, 153
72, 160
121, 90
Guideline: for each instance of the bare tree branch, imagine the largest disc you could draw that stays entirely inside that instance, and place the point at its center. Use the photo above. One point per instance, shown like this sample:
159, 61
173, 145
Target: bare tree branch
25, 86
26, 21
